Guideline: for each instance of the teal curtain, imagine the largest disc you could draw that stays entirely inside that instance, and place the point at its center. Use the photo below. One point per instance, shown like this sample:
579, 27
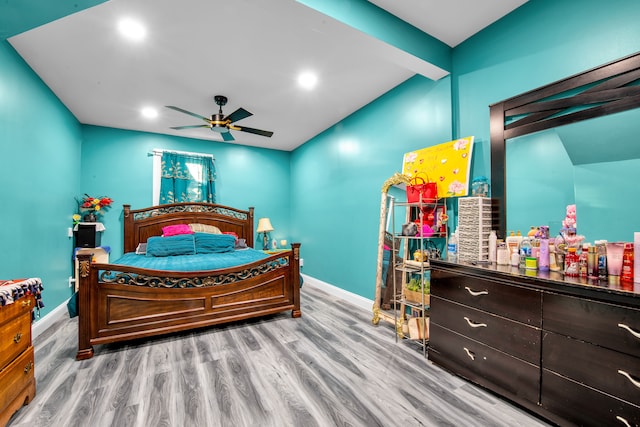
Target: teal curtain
187, 178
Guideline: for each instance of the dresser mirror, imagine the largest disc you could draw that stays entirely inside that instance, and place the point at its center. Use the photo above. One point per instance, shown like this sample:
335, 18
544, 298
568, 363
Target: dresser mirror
575, 141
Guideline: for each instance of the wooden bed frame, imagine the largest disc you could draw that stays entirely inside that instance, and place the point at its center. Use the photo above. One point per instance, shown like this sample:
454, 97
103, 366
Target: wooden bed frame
130, 303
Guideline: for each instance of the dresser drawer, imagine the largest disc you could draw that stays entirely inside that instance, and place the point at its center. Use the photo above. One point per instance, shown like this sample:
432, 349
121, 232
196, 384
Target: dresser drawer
483, 365
15, 337
15, 377
607, 325
513, 302
609, 371
508, 336
584, 406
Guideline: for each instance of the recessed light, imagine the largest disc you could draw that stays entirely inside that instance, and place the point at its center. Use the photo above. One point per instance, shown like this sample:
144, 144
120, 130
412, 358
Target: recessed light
132, 29
149, 112
307, 80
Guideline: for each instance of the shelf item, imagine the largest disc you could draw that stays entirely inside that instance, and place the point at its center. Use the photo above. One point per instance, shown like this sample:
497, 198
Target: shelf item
412, 302
475, 222
418, 328
88, 234
411, 264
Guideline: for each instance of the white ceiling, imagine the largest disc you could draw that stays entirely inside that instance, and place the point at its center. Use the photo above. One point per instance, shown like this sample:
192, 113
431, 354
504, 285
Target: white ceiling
248, 50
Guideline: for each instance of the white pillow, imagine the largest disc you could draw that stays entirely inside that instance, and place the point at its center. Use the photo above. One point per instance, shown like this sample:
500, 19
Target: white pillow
205, 228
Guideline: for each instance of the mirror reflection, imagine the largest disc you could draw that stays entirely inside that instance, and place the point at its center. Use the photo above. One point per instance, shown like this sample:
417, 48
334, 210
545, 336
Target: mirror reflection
594, 164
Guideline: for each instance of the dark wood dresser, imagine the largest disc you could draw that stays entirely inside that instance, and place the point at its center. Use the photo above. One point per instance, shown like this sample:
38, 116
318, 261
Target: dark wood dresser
17, 381
568, 350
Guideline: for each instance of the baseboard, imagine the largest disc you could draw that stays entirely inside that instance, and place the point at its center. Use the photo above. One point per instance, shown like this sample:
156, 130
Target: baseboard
350, 297
48, 320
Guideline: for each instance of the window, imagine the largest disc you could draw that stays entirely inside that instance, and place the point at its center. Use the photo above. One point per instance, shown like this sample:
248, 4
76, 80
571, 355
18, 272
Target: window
183, 177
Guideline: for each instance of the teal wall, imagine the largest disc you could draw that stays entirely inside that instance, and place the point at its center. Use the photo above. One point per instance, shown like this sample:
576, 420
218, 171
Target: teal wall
40, 143
337, 179
17, 16
117, 163
541, 42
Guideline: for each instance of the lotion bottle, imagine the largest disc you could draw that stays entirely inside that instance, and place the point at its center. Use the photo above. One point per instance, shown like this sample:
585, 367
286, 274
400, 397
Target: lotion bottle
493, 246
512, 243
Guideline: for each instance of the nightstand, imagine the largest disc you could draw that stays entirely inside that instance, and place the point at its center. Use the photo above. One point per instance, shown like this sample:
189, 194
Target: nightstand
275, 251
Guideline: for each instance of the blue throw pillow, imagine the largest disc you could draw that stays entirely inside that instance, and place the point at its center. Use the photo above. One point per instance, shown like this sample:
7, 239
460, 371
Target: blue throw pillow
214, 243
182, 244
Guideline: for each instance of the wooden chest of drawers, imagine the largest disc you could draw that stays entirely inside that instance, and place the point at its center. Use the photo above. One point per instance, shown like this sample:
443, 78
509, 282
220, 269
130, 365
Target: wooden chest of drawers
488, 332
16, 357
591, 361
567, 351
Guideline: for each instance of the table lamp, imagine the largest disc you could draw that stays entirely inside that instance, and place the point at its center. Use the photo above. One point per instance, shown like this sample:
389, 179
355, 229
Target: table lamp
264, 226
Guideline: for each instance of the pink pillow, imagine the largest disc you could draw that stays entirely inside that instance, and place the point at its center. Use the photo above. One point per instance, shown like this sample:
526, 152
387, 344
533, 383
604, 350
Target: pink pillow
172, 230
231, 233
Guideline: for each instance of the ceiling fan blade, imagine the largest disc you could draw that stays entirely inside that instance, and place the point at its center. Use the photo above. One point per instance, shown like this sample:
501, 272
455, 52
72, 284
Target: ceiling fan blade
187, 112
239, 114
252, 130
227, 136
189, 127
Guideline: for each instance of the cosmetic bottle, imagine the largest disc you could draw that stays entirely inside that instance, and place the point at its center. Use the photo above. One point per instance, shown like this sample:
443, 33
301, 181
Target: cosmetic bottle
592, 263
602, 259
525, 252
512, 243
493, 246
627, 263
502, 254
553, 257
571, 263
543, 254
583, 263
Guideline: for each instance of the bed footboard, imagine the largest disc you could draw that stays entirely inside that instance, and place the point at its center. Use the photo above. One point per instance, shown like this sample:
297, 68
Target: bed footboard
117, 303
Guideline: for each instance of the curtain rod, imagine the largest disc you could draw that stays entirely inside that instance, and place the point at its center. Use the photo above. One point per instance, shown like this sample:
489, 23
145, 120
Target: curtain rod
159, 151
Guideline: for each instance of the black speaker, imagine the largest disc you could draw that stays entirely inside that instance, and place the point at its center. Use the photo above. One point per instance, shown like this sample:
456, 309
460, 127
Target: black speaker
87, 237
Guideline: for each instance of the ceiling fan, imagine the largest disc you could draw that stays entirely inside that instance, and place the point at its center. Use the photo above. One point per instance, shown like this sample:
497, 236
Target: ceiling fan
221, 124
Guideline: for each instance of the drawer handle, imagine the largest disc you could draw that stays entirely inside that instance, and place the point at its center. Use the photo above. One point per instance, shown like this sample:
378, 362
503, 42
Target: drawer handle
26, 303
476, 293
475, 324
17, 338
631, 331
469, 353
28, 368
629, 377
623, 421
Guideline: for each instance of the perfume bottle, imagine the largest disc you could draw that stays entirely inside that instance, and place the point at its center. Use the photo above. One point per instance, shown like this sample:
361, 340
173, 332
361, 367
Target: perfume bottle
627, 263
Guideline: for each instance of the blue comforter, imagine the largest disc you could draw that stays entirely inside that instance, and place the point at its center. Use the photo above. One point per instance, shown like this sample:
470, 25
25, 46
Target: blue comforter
197, 262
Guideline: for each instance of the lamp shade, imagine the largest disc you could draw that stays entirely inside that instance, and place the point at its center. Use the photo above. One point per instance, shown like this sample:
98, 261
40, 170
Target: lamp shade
264, 225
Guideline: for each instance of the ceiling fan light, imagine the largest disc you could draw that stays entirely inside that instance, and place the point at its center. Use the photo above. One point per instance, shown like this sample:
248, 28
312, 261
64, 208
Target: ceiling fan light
219, 129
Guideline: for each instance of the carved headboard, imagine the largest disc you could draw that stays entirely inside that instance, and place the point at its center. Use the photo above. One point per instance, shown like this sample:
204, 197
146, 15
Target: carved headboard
141, 224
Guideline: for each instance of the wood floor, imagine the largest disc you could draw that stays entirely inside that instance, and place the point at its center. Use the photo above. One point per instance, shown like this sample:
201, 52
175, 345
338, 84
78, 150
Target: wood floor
331, 367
